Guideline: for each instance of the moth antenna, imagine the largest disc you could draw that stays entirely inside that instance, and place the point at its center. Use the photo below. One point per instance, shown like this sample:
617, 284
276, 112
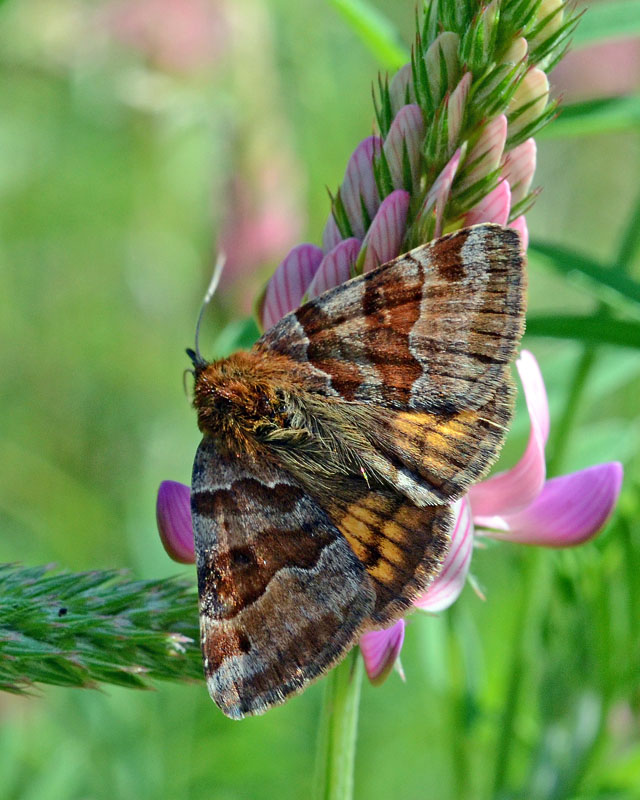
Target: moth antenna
195, 354
184, 379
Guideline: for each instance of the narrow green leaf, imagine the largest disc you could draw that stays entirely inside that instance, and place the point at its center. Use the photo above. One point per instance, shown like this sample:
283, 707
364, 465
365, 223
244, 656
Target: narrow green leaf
564, 260
366, 217
384, 112
407, 178
375, 31
594, 329
535, 126
596, 116
630, 242
614, 20
551, 49
340, 216
382, 173
421, 84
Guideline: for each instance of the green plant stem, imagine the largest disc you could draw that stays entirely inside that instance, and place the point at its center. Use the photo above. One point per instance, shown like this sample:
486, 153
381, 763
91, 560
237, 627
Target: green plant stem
338, 730
459, 737
531, 600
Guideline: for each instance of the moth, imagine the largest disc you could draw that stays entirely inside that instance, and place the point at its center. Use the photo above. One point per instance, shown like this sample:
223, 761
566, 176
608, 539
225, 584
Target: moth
332, 451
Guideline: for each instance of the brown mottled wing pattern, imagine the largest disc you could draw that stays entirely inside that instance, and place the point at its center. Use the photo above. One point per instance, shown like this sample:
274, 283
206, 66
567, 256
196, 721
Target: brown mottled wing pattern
282, 595
418, 352
432, 330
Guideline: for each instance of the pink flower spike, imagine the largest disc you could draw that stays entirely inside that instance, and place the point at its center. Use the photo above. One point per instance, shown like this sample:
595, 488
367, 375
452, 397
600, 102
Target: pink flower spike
401, 88
438, 194
518, 166
380, 649
359, 185
331, 235
511, 491
446, 588
569, 510
407, 130
386, 234
520, 224
289, 283
173, 514
335, 268
494, 207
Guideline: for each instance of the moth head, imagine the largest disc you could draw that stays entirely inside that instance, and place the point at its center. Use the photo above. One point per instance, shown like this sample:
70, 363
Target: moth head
231, 395
199, 363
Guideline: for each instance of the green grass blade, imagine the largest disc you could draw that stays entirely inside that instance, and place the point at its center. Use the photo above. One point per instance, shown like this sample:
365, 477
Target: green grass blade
607, 115
595, 329
566, 261
376, 32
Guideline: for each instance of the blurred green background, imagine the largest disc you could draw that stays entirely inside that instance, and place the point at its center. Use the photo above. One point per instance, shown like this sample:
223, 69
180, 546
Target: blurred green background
134, 138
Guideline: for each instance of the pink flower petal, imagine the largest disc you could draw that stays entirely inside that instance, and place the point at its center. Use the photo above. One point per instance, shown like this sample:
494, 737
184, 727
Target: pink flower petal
446, 588
494, 207
486, 154
359, 185
511, 491
386, 234
401, 88
568, 511
289, 283
407, 130
380, 649
520, 224
331, 235
173, 514
438, 195
518, 167
456, 108
335, 268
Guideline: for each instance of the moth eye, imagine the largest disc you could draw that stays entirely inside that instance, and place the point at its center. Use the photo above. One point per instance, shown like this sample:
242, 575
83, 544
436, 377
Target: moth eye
222, 403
